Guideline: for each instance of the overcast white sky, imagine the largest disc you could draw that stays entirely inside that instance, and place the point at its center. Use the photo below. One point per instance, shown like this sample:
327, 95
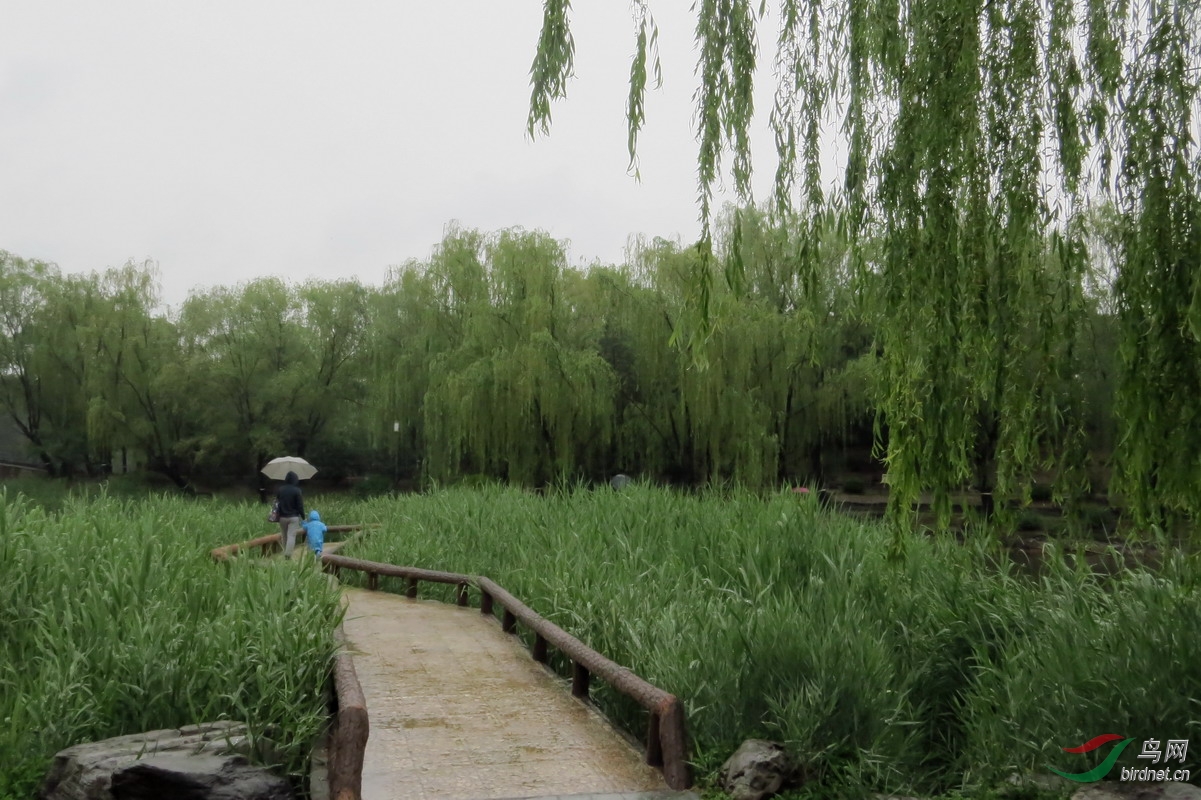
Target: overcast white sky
229, 140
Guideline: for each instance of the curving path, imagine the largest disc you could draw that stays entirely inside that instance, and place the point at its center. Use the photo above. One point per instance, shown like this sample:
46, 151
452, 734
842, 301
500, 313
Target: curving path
459, 711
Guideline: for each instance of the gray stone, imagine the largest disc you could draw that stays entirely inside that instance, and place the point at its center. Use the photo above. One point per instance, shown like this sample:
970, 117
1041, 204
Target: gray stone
183, 775
198, 762
1129, 790
758, 769
620, 481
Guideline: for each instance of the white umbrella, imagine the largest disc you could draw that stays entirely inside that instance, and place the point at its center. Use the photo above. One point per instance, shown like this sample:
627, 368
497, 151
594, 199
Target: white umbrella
278, 468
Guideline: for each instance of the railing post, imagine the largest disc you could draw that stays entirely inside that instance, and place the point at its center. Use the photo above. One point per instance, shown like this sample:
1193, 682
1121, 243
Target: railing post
509, 623
462, 597
539, 648
674, 747
654, 748
373, 580
412, 592
351, 728
485, 602
579, 680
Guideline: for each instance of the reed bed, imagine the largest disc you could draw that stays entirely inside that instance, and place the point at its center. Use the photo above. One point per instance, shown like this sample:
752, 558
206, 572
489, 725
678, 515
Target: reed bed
935, 669
116, 621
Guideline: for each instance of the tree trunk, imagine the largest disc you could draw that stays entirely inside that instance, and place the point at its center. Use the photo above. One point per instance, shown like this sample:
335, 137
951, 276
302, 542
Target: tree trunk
986, 463
171, 470
264, 492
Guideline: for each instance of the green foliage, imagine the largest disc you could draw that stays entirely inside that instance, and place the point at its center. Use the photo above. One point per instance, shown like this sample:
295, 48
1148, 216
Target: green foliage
1080, 664
499, 360
495, 358
553, 63
929, 671
1159, 284
117, 622
648, 36
68, 353
974, 138
247, 344
53, 494
519, 396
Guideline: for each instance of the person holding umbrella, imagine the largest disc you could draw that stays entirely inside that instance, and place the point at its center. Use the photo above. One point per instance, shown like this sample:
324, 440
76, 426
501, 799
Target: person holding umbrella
289, 498
291, 511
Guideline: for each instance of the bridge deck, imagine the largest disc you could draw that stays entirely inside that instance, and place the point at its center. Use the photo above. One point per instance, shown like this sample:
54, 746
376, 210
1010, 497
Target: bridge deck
459, 711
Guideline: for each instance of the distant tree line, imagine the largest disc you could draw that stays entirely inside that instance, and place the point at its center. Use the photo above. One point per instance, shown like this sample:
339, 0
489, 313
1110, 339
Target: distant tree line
496, 358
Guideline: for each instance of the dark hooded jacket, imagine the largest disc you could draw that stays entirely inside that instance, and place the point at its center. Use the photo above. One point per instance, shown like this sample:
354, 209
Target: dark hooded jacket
291, 501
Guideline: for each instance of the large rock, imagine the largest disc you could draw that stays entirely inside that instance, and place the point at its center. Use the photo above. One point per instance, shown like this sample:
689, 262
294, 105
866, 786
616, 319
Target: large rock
758, 769
1114, 790
199, 762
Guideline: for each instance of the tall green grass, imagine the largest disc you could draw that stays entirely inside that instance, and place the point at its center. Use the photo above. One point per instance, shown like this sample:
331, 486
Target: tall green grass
930, 671
52, 494
116, 621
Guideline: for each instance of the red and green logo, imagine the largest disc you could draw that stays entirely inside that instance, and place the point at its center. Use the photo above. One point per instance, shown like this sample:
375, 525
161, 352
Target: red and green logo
1101, 770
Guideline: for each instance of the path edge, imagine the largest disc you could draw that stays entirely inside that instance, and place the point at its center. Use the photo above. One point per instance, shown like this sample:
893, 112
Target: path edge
347, 742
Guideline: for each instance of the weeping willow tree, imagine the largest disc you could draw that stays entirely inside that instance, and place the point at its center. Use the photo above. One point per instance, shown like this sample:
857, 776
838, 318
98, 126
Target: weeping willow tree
722, 419
246, 343
970, 134
517, 396
420, 315
787, 333
1159, 282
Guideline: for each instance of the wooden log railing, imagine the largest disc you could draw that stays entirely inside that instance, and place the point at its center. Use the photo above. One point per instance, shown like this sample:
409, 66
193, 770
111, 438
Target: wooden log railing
375, 569
666, 741
272, 542
348, 734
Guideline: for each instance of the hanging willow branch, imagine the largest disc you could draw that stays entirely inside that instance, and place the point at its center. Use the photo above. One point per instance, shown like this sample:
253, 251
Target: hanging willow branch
1160, 281
973, 134
648, 43
553, 63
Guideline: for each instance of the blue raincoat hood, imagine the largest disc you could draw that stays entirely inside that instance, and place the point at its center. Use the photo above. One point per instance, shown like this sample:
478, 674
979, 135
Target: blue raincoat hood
315, 516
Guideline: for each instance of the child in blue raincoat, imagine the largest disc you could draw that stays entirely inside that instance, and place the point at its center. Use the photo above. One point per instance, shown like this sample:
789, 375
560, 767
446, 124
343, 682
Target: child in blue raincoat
314, 532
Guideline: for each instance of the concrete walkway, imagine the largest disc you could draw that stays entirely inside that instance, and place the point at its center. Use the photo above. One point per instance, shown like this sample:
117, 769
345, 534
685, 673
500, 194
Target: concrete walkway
459, 711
